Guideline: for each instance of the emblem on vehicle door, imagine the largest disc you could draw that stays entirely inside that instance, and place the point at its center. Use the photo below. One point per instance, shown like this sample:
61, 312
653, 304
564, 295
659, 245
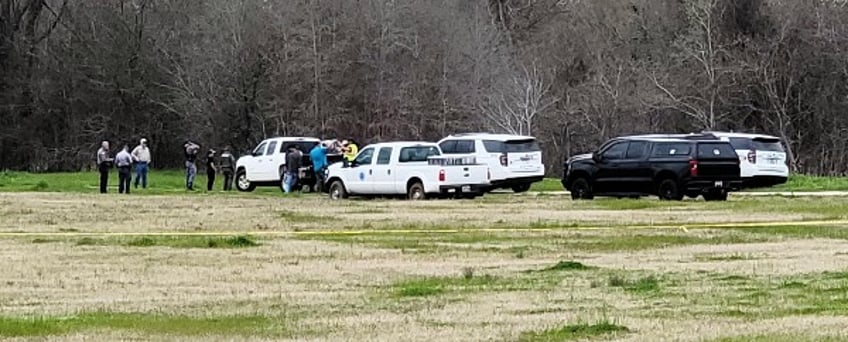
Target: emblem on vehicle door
362, 176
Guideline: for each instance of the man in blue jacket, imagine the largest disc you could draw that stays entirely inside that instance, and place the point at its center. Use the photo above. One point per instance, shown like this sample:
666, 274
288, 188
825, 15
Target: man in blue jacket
318, 155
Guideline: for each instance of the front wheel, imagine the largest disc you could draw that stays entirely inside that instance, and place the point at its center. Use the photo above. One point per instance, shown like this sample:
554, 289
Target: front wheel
581, 190
521, 188
242, 184
416, 192
337, 191
669, 190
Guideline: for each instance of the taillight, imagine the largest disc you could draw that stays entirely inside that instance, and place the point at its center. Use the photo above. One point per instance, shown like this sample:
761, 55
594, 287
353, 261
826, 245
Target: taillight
504, 160
693, 168
752, 156
441, 175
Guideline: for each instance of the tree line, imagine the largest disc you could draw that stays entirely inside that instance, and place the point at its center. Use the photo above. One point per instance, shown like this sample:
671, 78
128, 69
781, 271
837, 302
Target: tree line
571, 72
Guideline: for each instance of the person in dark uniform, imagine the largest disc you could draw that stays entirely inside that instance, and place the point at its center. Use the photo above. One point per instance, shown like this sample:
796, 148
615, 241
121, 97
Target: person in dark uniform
104, 163
227, 165
210, 169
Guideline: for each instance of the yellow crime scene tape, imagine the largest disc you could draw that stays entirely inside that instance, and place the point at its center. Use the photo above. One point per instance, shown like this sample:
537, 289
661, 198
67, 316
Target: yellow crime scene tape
564, 228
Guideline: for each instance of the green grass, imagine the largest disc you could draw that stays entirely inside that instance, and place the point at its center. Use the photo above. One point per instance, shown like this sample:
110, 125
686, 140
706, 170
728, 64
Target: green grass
641, 285
173, 241
154, 324
159, 182
574, 332
432, 286
799, 182
567, 266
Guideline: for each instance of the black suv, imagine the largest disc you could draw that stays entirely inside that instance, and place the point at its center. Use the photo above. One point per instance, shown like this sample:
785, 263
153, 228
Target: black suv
666, 167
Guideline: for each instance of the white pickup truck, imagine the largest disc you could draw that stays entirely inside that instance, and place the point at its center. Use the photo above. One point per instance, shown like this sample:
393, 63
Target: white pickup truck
414, 169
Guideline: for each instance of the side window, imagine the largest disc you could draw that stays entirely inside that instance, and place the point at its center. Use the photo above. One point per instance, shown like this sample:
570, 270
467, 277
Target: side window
448, 146
671, 150
271, 148
365, 157
385, 155
616, 151
260, 150
636, 150
465, 146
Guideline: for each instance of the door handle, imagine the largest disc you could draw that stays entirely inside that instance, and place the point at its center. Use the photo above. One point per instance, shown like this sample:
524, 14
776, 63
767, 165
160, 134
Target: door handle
370, 172
388, 172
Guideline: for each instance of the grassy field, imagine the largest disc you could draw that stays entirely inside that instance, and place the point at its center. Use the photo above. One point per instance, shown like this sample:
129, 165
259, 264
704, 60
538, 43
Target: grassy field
178, 266
173, 181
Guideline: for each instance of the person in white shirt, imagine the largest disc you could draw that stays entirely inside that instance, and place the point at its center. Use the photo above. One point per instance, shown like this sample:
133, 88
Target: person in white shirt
124, 163
141, 157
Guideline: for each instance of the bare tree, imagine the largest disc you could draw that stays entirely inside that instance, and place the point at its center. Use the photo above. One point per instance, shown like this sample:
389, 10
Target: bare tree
519, 100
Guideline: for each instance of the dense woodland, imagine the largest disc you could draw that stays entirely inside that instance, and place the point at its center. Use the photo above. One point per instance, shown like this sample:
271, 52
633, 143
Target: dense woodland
571, 72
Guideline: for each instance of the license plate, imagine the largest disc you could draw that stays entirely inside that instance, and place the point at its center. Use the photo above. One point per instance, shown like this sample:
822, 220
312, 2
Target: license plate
466, 188
719, 184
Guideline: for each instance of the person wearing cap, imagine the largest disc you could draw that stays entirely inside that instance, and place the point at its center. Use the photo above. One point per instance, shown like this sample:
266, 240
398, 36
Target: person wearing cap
227, 166
141, 157
190, 149
104, 163
210, 169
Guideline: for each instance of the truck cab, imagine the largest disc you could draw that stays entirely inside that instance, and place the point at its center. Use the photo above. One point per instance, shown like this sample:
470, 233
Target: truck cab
264, 165
415, 169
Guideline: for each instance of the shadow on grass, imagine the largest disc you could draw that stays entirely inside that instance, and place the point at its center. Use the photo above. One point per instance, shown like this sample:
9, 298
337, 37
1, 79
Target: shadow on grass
173, 242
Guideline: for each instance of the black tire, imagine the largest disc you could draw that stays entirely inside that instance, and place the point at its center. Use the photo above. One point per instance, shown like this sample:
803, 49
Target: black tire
669, 190
337, 191
242, 184
416, 192
521, 188
581, 189
714, 196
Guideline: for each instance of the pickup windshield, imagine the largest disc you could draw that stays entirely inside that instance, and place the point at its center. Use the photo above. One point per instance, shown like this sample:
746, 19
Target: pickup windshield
511, 146
417, 153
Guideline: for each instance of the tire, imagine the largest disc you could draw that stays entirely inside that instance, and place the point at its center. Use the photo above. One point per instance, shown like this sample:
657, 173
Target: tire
337, 191
581, 189
669, 190
521, 188
242, 184
416, 192
714, 196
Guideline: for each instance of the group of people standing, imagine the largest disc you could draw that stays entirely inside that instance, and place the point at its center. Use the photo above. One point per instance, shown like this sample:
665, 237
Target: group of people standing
124, 160
141, 158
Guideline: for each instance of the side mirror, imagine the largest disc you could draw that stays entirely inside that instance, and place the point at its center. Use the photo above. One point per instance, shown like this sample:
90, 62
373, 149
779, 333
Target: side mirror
596, 157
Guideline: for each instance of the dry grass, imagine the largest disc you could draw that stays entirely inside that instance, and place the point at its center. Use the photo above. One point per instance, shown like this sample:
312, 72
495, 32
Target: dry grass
347, 289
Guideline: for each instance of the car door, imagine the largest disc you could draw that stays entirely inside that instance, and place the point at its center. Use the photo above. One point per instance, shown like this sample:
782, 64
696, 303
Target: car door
253, 164
267, 168
609, 174
634, 169
360, 174
383, 173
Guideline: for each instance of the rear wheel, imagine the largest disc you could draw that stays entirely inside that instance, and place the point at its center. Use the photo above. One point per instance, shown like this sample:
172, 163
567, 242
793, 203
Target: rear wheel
719, 195
416, 192
581, 189
337, 191
669, 190
521, 188
242, 184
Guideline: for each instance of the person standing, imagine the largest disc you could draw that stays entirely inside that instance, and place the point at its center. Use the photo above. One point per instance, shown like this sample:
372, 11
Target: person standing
104, 163
294, 160
210, 169
349, 150
318, 154
191, 150
227, 166
141, 156
124, 162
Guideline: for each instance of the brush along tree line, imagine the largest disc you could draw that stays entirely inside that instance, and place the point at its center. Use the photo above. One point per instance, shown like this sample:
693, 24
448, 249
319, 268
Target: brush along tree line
573, 73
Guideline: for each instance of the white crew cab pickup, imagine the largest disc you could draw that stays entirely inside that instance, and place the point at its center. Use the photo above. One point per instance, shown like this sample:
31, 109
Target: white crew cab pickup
416, 170
264, 166
515, 161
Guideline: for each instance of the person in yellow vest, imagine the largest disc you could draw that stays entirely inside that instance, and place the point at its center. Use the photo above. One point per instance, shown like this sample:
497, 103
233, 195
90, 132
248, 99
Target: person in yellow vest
350, 150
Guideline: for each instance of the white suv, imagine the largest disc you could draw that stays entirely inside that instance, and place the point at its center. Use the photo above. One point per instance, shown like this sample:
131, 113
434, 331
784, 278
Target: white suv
762, 159
264, 166
515, 161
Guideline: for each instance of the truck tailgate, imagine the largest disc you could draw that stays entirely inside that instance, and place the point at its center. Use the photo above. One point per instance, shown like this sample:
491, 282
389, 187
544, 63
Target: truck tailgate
717, 161
460, 171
